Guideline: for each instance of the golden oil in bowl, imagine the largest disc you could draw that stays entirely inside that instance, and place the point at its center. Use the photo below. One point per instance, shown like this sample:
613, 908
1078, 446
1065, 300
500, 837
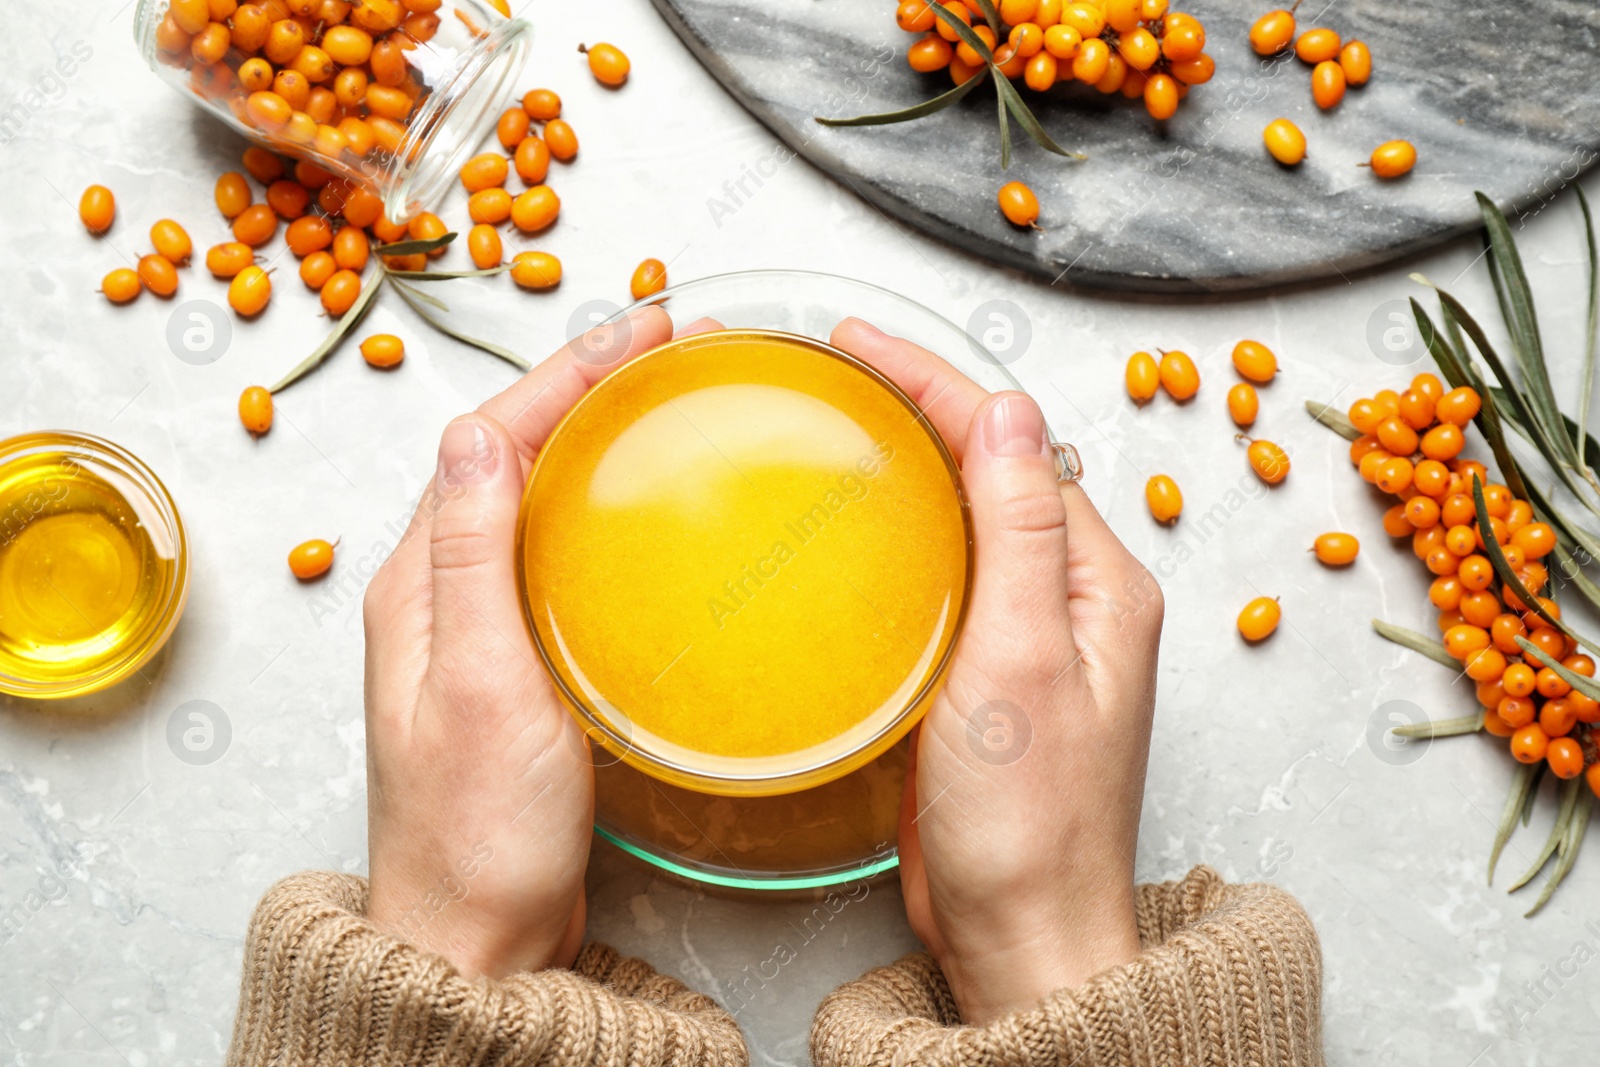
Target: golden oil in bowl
93, 565
745, 557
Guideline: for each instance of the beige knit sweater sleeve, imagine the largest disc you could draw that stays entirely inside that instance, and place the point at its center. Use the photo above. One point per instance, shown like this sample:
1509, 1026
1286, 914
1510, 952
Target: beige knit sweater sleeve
1229, 974
323, 987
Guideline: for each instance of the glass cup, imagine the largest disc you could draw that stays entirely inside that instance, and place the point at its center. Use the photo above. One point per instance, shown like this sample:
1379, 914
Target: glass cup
387, 99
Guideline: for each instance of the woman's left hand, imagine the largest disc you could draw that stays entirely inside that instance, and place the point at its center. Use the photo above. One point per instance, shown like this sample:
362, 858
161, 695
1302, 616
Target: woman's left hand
480, 788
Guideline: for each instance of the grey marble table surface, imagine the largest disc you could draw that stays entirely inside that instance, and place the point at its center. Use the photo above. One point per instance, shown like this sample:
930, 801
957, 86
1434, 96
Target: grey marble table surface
1267, 762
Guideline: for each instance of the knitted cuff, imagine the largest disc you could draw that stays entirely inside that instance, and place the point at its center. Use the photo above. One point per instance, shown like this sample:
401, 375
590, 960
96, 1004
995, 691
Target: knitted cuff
323, 987
1228, 974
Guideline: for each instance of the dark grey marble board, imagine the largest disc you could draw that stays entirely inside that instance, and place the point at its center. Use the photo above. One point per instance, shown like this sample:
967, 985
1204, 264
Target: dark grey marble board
1498, 96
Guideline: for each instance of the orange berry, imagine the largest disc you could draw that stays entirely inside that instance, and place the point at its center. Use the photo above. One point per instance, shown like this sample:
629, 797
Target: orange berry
1443, 442
1373, 462
1315, 46
351, 248
1495, 725
1196, 71
649, 277
1392, 159
1475, 572
1424, 542
232, 194
1361, 446
1565, 757
536, 209
1142, 377
249, 291
308, 234
484, 171
1254, 361
229, 258
1549, 683
1395, 522
311, 559
1516, 711
288, 198
1327, 84
1259, 618
512, 127
1270, 462
97, 209
1243, 404
1356, 59
929, 54
1485, 663
1431, 478
1445, 593
1160, 96
536, 270
158, 274
121, 285
1178, 374
1416, 409
608, 63
1442, 561
339, 292
1018, 204
916, 16
317, 268
1394, 475
383, 350
1272, 32
1536, 540
1464, 638
1529, 744
1182, 41
1505, 630
1557, 717
1481, 608
491, 206
542, 105
483, 245
1421, 512
1163, 497
1285, 143
1518, 679
255, 410
1336, 549
562, 141
532, 160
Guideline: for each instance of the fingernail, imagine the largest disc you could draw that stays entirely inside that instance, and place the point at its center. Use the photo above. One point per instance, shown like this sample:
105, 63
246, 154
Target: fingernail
466, 454
1014, 427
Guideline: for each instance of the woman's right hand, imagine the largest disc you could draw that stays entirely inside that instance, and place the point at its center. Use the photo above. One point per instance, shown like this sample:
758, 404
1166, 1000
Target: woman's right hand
1021, 808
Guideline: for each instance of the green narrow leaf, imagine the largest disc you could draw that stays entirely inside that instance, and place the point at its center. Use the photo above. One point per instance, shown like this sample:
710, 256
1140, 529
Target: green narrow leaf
1005, 123
336, 336
1502, 567
443, 275
1025, 118
1416, 642
916, 111
1533, 792
1516, 306
1582, 683
1574, 573
1333, 419
1580, 433
1467, 724
406, 294
1590, 447
1521, 783
991, 16
411, 248
1569, 803
410, 290
1569, 854
964, 31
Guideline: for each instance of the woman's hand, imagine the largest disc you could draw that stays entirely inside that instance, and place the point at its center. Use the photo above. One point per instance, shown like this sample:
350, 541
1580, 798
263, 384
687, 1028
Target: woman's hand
1021, 808
480, 790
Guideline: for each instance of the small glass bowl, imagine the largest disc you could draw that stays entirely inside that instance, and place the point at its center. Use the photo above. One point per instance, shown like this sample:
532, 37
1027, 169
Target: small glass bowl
798, 495
86, 464
464, 71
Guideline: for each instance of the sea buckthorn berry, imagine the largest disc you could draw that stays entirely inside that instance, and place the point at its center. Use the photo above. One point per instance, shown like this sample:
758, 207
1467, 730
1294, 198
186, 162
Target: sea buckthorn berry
1142, 377
350, 90
1254, 361
348, 46
264, 166
916, 16
1442, 561
416, 262
427, 226
1551, 642
1505, 630
1121, 15
1183, 41
1556, 719
1459, 406
1421, 511
1431, 478
383, 350
1461, 639
1518, 515
1272, 32
1536, 540
1091, 61
1373, 462
1444, 441
512, 127
929, 54
1083, 16
1565, 757
308, 234
1139, 48
1446, 594
1270, 462
97, 209
255, 75
1286, 144
1516, 711
536, 270
1336, 549
1425, 541
1428, 385
249, 291
1579, 664
1518, 679
956, 8
535, 209
1480, 609
1460, 540
1062, 42
232, 194
1259, 618
1549, 683
1356, 59
1497, 500
1150, 10
1493, 724
311, 559
317, 268
1392, 159
1485, 663
608, 63
1530, 744
1365, 414
313, 64
532, 160
1448, 620
1515, 557
288, 198
542, 105
255, 410
1243, 405
1396, 436
1160, 96
649, 277
171, 241
388, 102
1475, 572
1116, 73
1457, 510
1496, 528
1416, 409
484, 171
351, 248
1196, 71
491, 206
1395, 523
1394, 475
1586, 708
1018, 204
1315, 46
339, 292
229, 258
1043, 71
158, 274
483, 245
1327, 84
190, 15
1165, 500
562, 141
121, 285
1178, 374
387, 231
1361, 446
1550, 607
1490, 693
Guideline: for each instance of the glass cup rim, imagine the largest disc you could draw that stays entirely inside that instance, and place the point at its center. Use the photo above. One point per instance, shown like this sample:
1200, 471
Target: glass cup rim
792, 778
174, 595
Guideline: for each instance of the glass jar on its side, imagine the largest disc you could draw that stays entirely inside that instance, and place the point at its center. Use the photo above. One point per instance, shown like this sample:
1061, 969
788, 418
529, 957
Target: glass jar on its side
386, 95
